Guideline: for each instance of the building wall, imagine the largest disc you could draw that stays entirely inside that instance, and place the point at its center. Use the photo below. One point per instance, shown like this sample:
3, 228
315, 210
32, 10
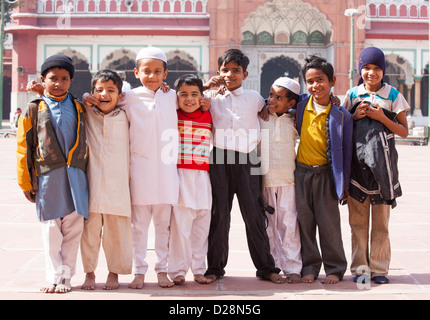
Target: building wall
199, 31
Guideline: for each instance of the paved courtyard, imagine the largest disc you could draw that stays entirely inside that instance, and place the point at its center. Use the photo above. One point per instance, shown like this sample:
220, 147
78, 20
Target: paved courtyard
22, 260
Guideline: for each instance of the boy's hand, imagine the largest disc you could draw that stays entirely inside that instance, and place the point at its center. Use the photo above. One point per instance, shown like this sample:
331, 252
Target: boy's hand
30, 195
36, 87
344, 199
214, 82
334, 99
375, 113
361, 111
264, 113
165, 87
205, 103
89, 101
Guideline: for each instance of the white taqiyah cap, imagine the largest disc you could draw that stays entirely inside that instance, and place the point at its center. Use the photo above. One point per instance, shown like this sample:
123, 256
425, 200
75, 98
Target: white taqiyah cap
151, 53
288, 83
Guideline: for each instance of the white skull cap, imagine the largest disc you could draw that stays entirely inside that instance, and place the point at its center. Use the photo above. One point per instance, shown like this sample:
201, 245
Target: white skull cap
289, 84
151, 53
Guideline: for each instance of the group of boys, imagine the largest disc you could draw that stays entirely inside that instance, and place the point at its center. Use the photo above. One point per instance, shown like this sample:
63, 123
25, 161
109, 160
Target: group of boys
317, 180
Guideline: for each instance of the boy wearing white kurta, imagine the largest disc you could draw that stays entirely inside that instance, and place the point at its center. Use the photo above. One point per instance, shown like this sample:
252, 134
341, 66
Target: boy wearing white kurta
108, 176
154, 182
278, 164
191, 217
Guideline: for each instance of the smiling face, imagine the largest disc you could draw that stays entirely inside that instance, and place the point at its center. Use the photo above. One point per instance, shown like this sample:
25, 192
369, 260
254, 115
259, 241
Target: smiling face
319, 85
278, 101
372, 76
233, 75
151, 73
189, 98
108, 94
57, 81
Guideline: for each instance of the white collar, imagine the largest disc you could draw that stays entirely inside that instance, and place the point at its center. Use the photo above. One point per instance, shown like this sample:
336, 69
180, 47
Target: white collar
384, 92
239, 91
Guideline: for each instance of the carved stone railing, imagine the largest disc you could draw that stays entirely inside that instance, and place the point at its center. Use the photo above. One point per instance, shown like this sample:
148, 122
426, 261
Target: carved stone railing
153, 7
398, 9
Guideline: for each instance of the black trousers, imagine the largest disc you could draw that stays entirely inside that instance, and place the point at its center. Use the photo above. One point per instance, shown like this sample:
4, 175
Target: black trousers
237, 173
317, 206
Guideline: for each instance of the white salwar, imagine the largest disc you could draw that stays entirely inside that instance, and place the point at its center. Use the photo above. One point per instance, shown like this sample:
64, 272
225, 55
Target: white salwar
190, 224
278, 164
61, 239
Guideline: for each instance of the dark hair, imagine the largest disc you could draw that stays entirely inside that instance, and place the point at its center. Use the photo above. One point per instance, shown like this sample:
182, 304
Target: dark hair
236, 56
138, 64
315, 62
189, 80
106, 75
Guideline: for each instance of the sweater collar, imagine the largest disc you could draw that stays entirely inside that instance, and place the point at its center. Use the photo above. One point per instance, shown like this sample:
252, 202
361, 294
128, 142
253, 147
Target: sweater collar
59, 98
192, 115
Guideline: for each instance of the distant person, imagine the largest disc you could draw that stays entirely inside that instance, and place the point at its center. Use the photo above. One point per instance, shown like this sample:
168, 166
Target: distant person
125, 85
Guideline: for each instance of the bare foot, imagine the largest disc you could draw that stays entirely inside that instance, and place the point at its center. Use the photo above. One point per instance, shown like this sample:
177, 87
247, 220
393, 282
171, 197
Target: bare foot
199, 278
138, 281
212, 277
179, 280
111, 282
331, 279
49, 288
275, 278
294, 278
164, 281
90, 281
310, 278
64, 286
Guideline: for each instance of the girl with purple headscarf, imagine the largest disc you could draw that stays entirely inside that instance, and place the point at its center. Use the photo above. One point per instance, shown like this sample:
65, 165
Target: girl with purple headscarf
372, 89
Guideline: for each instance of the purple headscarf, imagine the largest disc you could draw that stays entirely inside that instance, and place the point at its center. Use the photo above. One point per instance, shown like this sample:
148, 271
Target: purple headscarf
371, 55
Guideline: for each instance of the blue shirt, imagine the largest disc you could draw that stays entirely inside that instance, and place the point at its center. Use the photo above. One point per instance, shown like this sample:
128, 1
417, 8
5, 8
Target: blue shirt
64, 190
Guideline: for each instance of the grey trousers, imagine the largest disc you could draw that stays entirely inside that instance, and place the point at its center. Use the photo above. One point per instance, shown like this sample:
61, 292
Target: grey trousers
317, 206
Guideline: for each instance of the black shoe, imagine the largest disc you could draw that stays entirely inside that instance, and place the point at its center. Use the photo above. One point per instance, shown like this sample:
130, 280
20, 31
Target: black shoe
380, 279
363, 278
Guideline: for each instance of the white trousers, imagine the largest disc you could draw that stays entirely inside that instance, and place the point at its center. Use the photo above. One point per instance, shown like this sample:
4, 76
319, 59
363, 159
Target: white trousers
283, 229
61, 239
189, 230
141, 218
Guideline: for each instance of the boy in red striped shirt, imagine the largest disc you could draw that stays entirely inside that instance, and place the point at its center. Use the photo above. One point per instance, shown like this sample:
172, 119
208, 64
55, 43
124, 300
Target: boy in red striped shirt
190, 222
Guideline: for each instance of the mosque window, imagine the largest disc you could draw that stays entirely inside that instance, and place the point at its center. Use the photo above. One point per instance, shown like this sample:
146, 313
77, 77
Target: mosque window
293, 22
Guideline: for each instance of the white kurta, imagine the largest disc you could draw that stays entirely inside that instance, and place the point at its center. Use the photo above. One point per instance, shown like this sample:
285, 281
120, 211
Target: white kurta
153, 146
108, 166
235, 120
277, 150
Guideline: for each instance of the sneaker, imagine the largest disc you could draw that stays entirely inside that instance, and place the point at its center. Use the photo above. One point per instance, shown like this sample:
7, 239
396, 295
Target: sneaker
380, 279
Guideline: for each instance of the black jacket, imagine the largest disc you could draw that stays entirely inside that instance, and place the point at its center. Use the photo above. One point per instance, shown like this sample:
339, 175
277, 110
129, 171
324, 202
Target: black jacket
374, 171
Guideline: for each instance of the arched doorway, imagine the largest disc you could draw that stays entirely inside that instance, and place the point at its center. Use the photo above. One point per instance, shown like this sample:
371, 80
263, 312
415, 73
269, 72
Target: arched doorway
178, 64
278, 67
123, 60
294, 29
